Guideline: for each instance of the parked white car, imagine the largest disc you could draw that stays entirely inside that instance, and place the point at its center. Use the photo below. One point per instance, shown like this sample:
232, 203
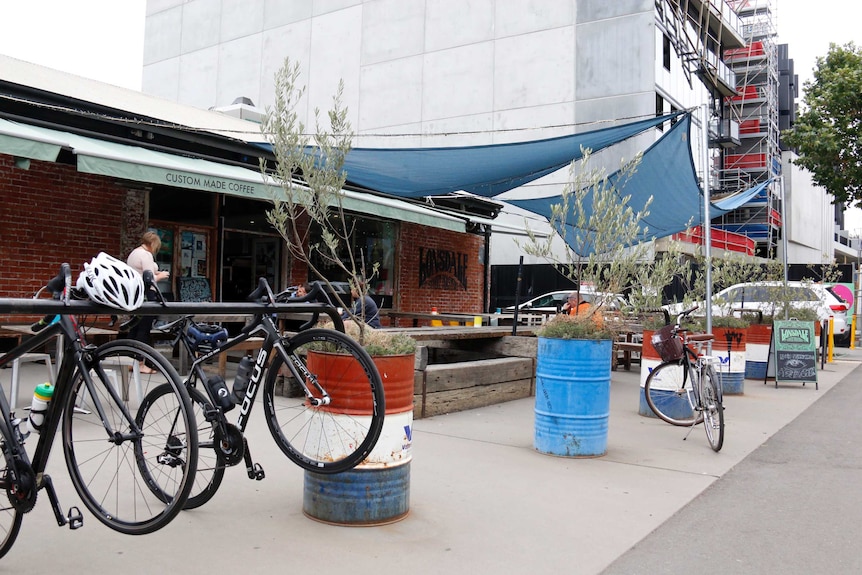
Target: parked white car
761, 296
552, 302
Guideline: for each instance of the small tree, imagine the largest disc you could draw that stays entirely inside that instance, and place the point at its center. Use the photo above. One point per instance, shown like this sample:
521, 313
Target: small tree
317, 199
602, 232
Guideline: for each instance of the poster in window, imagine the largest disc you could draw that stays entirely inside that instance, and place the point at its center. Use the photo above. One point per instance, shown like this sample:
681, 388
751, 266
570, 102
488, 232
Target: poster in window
194, 254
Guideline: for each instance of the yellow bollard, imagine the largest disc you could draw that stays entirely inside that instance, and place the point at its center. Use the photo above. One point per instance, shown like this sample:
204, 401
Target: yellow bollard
830, 340
853, 332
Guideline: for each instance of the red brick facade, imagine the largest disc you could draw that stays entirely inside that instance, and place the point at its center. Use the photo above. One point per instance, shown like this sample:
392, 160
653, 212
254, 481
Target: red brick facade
51, 213
451, 289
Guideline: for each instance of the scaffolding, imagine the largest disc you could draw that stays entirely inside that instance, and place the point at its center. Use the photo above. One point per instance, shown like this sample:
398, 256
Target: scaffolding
754, 107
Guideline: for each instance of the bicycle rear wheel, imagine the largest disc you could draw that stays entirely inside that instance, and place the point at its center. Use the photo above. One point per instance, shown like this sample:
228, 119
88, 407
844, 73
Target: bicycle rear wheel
133, 474
668, 392
713, 410
10, 515
211, 465
334, 436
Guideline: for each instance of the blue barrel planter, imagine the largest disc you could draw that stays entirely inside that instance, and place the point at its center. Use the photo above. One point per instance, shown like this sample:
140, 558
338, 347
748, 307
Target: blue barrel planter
573, 397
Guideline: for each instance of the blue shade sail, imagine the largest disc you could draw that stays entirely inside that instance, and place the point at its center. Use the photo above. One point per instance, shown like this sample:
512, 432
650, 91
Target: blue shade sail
667, 174
482, 170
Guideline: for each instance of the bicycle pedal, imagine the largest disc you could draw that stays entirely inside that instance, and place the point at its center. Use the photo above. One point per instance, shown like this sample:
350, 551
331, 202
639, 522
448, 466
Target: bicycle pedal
76, 520
257, 472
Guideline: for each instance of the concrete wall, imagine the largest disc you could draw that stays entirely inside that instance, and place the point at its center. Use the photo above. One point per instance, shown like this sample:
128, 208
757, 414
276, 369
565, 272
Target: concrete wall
809, 216
428, 72
467, 71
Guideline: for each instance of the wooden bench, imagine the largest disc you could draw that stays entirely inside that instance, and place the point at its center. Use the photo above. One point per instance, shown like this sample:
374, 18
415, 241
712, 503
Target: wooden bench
460, 368
627, 348
449, 387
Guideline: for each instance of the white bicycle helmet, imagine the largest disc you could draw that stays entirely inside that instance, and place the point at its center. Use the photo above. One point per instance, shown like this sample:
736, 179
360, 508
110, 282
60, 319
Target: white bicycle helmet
108, 281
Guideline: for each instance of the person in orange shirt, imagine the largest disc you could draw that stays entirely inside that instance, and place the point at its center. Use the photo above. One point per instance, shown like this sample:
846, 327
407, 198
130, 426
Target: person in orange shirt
575, 306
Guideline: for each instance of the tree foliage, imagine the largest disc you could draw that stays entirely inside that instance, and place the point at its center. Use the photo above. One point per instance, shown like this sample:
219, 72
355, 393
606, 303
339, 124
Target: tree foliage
827, 133
309, 190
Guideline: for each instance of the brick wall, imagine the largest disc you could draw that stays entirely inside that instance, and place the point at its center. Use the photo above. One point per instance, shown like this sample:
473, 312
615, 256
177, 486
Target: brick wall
52, 214
439, 268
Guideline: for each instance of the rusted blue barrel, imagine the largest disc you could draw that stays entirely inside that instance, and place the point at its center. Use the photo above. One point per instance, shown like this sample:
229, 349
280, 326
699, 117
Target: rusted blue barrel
573, 387
377, 491
363, 496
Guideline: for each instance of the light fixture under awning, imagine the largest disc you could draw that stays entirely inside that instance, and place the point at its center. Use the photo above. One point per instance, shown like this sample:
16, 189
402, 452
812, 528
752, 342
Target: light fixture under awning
143, 165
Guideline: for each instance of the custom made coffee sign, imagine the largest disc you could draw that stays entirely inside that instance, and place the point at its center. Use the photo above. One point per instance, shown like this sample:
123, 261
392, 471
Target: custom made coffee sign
795, 351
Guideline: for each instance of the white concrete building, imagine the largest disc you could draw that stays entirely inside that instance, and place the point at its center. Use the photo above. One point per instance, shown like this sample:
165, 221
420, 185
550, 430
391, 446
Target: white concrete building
422, 73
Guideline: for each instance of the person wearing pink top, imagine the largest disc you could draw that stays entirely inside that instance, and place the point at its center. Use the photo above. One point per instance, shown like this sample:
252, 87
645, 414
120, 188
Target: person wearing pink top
142, 259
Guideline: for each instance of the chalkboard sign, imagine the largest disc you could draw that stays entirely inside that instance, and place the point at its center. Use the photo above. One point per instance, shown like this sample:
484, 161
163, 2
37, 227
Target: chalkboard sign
795, 351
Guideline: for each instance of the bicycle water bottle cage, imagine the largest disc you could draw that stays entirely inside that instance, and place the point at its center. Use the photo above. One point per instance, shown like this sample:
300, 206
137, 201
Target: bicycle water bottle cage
206, 338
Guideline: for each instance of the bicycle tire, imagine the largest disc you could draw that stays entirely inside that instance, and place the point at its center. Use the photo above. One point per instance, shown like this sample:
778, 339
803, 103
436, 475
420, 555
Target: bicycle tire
119, 476
211, 465
713, 410
668, 392
331, 438
10, 515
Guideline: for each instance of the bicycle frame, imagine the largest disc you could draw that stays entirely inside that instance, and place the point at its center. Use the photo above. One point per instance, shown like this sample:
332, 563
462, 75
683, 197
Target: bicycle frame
74, 357
272, 341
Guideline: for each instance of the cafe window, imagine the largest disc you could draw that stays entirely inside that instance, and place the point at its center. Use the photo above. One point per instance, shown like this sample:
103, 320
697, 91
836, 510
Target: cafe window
185, 222
374, 241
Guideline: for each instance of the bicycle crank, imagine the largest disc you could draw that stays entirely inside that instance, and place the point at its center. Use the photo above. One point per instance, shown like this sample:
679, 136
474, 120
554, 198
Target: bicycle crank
230, 444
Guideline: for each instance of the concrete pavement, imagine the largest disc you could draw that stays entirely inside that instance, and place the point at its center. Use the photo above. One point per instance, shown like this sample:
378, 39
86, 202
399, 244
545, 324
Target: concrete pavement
482, 499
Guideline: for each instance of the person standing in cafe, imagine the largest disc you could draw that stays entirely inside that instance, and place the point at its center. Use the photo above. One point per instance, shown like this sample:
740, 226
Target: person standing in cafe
142, 259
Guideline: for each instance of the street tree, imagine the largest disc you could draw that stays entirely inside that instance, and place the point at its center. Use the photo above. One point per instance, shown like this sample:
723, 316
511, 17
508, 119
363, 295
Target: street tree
828, 133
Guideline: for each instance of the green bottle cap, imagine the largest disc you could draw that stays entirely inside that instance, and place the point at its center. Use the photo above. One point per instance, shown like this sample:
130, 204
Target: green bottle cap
45, 391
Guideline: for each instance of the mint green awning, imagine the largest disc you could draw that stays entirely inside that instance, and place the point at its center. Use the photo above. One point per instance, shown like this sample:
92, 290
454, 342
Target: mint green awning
142, 165
23, 141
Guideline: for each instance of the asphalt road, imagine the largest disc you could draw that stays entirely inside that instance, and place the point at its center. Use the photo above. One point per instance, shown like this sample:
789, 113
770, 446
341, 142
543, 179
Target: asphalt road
793, 506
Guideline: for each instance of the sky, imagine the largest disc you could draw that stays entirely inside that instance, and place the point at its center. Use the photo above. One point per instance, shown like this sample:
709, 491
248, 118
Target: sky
104, 39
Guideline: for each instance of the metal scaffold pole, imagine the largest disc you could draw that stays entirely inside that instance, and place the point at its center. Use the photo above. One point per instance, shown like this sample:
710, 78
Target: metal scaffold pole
707, 235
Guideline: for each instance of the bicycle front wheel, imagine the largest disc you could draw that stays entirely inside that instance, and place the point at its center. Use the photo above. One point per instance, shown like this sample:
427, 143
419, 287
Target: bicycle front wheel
211, 464
10, 515
133, 473
669, 393
713, 410
328, 414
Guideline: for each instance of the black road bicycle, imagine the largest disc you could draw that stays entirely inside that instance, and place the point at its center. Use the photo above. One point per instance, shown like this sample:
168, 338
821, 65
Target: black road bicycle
132, 468
322, 394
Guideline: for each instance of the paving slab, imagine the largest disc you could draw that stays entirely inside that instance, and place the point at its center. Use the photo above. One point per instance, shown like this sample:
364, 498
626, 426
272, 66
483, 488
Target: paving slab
482, 500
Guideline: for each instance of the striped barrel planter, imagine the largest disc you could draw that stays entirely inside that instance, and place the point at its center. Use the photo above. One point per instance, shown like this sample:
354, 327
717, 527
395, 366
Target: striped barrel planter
757, 350
377, 491
729, 348
672, 403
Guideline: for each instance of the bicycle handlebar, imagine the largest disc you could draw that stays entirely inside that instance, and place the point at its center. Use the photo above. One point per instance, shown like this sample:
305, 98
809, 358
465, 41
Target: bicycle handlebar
683, 314
62, 280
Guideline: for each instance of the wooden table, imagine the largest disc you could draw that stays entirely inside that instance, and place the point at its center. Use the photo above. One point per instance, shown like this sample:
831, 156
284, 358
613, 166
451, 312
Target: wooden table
459, 318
